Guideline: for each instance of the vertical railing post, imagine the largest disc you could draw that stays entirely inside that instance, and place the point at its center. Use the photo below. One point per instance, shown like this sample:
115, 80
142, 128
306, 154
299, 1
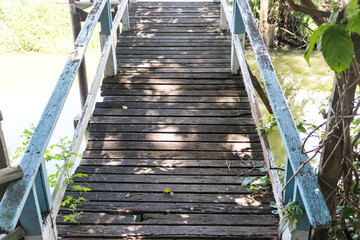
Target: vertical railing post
238, 28
291, 193
125, 20
82, 77
4, 157
223, 21
106, 26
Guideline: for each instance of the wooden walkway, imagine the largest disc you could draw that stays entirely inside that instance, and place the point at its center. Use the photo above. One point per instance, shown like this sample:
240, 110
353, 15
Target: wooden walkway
175, 118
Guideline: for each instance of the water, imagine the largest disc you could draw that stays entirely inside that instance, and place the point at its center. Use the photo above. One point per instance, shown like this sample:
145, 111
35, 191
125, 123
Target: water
28, 80
305, 88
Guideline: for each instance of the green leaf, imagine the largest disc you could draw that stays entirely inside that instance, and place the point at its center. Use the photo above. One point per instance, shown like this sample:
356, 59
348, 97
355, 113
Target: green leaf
351, 8
248, 180
314, 37
337, 48
354, 23
334, 16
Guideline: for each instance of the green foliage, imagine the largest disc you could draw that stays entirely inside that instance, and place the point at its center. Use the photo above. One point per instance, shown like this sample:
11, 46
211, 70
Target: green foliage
74, 216
59, 152
258, 183
291, 215
348, 226
36, 26
267, 125
334, 39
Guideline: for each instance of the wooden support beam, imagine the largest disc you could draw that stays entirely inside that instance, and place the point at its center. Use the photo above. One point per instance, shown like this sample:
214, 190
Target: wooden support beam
17, 234
4, 157
82, 77
10, 173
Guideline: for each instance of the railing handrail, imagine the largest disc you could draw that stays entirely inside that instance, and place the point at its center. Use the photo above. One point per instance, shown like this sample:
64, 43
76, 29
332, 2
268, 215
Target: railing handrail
20, 191
304, 188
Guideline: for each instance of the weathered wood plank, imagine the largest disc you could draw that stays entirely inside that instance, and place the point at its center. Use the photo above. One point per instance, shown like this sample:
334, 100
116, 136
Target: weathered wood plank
177, 219
158, 128
224, 171
173, 120
170, 112
173, 163
160, 179
150, 105
177, 99
117, 92
101, 154
173, 137
170, 87
156, 232
126, 207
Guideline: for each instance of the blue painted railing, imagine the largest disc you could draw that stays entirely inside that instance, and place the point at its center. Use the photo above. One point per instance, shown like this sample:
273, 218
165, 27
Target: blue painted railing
304, 187
28, 200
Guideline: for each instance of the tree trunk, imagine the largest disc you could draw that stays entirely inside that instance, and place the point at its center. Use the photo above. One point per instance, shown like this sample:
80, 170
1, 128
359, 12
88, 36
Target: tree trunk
263, 21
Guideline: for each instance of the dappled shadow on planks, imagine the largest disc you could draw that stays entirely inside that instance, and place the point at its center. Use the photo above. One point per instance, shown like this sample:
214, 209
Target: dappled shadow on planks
174, 117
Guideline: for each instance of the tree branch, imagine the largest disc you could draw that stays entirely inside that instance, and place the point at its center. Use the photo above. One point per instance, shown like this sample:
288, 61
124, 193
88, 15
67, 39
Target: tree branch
317, 15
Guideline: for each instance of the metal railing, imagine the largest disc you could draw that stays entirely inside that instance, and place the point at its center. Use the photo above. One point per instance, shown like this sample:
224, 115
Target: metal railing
303, 187
28, 200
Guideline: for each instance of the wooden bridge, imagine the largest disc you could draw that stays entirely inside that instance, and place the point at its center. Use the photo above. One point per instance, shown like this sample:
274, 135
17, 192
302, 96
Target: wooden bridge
174, 137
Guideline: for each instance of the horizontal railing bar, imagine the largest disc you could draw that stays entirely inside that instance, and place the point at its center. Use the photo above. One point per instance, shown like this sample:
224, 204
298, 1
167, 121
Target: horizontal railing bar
269, 159
87, 2
268, 155
15, 196
309, 189
88, 107
10, 173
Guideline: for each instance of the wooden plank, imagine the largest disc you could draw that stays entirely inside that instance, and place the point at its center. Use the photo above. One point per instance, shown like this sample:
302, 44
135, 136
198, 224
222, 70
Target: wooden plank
177, 99
171, 87
175, 48
177, 37
158, 128
126, 207
224, 171
177, 219
101, 154
194, 76
171, 70
172, 163
117, 92
123, 41
151, 105
160, 179
184, 146
170, 112
149, 51
157, 232
173, 56
173, 137
173, 120
173, 65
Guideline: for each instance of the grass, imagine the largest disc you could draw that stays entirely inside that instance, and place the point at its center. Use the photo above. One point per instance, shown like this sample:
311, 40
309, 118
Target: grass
36, 26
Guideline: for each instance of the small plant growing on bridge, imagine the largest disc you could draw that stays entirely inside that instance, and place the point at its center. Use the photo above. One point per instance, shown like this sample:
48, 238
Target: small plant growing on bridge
291, 215
63, 154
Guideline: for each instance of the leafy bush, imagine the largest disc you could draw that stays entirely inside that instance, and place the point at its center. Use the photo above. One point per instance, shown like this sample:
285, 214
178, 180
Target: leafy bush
36, 26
